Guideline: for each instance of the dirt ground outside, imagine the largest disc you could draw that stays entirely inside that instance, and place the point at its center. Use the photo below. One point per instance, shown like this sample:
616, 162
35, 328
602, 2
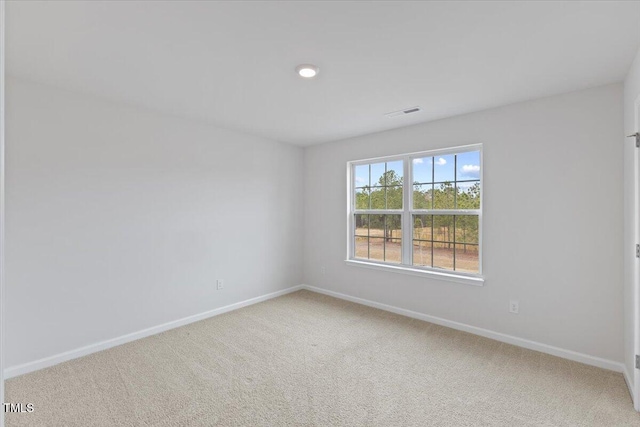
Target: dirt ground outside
424, 253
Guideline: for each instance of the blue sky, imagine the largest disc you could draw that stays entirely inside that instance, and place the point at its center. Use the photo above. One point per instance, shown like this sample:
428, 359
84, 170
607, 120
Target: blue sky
377, 170
468, 168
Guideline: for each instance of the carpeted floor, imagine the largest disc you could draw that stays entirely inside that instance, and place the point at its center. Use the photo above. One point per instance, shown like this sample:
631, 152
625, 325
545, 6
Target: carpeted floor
306, 359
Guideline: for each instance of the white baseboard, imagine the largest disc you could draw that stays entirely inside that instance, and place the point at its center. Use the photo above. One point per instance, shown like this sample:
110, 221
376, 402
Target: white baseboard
629, 380
509, 339
46, 362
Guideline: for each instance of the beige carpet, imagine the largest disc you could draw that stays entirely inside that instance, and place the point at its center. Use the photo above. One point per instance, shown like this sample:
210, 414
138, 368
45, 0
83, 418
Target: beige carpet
306, 359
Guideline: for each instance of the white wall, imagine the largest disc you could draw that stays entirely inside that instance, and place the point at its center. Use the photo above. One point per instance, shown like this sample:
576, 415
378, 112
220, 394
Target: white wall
552, 221
631, 93
119, 219
2, 182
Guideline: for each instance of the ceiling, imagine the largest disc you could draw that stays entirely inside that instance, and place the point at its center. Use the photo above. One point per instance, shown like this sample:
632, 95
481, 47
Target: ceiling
232, 63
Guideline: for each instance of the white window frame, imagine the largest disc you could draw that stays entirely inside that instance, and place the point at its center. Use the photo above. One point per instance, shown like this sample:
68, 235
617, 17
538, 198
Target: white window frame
406, 215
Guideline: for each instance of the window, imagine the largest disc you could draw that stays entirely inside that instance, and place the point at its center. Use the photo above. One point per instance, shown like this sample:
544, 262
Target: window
432, 225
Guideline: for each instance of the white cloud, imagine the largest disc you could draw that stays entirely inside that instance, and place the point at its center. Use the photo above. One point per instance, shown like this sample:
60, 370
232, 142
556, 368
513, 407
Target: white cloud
471, 170
441, 162
417, 161
465, 185
360, 180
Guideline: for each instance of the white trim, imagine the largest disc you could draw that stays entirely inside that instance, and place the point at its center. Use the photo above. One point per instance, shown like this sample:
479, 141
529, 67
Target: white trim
629, 381
2, 194
480, 221
414, 271
435, 152
350, 207
46, 362
635, 289
407, 211
475, 212
381, 212
406, 218
509, 339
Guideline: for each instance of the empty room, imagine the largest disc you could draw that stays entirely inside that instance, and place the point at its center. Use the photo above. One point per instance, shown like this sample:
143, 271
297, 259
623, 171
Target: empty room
319, 213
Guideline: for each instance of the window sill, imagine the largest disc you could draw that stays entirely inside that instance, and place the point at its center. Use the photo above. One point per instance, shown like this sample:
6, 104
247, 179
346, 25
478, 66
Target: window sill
451, 277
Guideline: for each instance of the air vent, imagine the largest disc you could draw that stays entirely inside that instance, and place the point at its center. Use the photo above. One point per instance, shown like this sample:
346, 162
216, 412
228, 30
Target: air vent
403, 112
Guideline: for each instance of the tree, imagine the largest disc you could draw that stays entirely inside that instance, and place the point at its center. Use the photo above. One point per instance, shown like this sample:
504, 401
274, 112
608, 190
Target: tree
422, 196
444, 197
387, 194
469, 199
362, 197
467, 225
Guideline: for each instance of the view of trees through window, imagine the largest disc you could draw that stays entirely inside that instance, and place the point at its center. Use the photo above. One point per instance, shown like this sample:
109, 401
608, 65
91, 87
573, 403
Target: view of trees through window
446, 241
445, 198
379, 237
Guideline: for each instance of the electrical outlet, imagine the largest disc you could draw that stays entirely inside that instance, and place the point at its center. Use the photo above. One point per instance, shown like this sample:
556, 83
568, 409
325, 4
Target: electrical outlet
219, 284
514, 307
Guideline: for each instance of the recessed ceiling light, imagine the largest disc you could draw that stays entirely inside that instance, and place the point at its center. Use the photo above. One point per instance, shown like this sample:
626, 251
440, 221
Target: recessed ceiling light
307, 71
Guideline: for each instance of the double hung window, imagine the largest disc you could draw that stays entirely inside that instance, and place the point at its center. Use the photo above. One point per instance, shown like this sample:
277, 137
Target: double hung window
420, 211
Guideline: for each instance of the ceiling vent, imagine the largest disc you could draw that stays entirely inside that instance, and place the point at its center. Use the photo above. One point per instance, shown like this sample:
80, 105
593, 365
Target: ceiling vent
404, 112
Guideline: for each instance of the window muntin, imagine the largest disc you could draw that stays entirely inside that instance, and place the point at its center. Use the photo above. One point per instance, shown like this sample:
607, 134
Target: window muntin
378, 237
432, 224
447, 241
378, 186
